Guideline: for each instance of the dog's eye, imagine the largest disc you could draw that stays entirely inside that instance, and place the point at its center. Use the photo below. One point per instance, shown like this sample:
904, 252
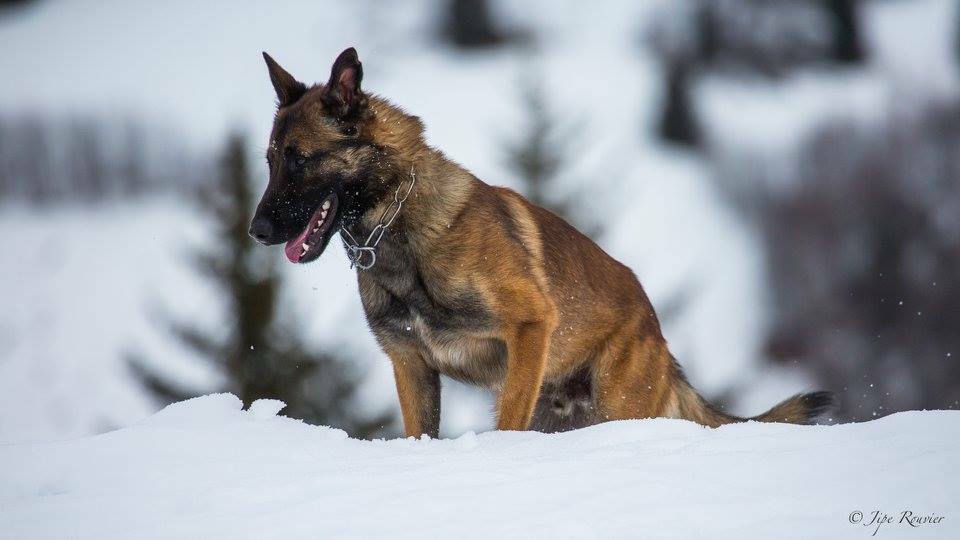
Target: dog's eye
349, 130
293, 161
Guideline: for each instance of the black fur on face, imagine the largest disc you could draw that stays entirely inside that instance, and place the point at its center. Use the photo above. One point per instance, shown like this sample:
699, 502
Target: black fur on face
323, 172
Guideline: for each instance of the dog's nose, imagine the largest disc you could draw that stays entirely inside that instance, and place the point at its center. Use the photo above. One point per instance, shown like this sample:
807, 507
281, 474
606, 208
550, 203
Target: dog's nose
261, 230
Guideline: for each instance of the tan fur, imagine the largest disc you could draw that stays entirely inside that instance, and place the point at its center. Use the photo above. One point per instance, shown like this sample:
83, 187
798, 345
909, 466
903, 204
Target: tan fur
549, 302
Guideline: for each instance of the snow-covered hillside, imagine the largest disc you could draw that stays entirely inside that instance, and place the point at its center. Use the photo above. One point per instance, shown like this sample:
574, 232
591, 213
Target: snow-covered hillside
206, 469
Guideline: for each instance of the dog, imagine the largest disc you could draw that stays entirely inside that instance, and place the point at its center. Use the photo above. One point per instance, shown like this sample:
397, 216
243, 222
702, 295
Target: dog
468, 280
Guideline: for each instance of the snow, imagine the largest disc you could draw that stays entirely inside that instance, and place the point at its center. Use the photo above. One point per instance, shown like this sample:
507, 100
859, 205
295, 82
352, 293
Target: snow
81, 306
205, 468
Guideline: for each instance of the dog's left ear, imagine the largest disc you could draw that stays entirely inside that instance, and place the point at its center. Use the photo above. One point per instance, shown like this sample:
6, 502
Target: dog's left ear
289, 90
343, 95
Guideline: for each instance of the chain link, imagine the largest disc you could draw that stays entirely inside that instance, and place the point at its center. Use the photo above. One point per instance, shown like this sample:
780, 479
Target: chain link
355, 252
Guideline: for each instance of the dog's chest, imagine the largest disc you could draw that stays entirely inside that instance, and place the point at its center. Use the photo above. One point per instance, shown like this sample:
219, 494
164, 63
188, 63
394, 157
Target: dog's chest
462, 355
448, 325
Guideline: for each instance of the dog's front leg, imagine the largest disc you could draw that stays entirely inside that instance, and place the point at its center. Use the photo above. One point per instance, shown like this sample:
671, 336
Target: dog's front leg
526, 361
418, 387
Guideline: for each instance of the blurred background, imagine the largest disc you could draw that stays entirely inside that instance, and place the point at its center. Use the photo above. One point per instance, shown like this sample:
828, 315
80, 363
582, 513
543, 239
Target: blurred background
783, 177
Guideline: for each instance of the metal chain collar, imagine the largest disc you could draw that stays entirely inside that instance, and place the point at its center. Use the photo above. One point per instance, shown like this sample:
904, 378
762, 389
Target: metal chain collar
356, 252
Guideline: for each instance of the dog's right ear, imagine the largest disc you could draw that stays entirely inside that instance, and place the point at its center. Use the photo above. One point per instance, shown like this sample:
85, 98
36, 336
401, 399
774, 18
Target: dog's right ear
289, 90
342, 94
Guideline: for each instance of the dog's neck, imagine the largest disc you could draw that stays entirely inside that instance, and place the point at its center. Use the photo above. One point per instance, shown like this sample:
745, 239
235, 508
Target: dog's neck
440, 189
440, 186
438, 193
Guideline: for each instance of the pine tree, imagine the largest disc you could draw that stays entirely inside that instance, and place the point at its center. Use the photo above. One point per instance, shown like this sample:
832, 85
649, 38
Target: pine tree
87, 163
11, 4
678, 122
847, 46
756, 37
468, 24
538, 157
132, 174
260, 357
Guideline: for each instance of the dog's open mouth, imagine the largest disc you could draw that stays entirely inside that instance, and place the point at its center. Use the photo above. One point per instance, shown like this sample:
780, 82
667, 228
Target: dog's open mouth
308, 245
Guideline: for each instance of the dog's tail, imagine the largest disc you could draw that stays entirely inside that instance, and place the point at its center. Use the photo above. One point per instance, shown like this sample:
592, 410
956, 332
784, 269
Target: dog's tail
800, 409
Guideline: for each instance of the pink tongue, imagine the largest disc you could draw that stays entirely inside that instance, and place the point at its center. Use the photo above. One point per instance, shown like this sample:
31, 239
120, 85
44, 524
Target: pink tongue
294, 247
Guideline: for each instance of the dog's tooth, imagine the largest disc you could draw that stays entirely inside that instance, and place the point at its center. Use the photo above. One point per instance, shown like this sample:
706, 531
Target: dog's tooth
326, 206
305, 246
323, 215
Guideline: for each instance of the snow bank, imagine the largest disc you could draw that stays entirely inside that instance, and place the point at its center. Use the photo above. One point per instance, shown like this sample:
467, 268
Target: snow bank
206, 469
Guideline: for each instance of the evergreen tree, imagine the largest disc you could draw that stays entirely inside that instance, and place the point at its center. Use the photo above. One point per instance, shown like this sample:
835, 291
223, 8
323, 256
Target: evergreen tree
846, 31
132, 176
685, 38
261, 356
470, 24
678, 122
11, 4
539, 155
55, 159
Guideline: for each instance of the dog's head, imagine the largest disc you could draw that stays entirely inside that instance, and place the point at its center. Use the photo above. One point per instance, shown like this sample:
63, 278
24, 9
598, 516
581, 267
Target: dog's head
325, 168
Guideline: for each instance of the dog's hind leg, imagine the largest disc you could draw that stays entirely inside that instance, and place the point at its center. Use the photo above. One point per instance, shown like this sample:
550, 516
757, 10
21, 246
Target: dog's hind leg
633, 378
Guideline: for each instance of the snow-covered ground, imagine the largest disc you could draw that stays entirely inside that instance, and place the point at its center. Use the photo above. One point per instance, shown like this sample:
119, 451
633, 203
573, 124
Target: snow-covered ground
206, 469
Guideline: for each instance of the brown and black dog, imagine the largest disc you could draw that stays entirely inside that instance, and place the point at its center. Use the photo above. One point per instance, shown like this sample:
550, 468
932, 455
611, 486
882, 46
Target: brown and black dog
469, 280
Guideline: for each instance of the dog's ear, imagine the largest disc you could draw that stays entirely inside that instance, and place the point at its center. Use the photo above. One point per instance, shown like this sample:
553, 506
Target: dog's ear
342, 94
289, 90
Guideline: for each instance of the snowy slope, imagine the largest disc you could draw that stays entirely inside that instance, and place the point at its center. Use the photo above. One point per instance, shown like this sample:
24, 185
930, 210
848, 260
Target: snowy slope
205, 469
